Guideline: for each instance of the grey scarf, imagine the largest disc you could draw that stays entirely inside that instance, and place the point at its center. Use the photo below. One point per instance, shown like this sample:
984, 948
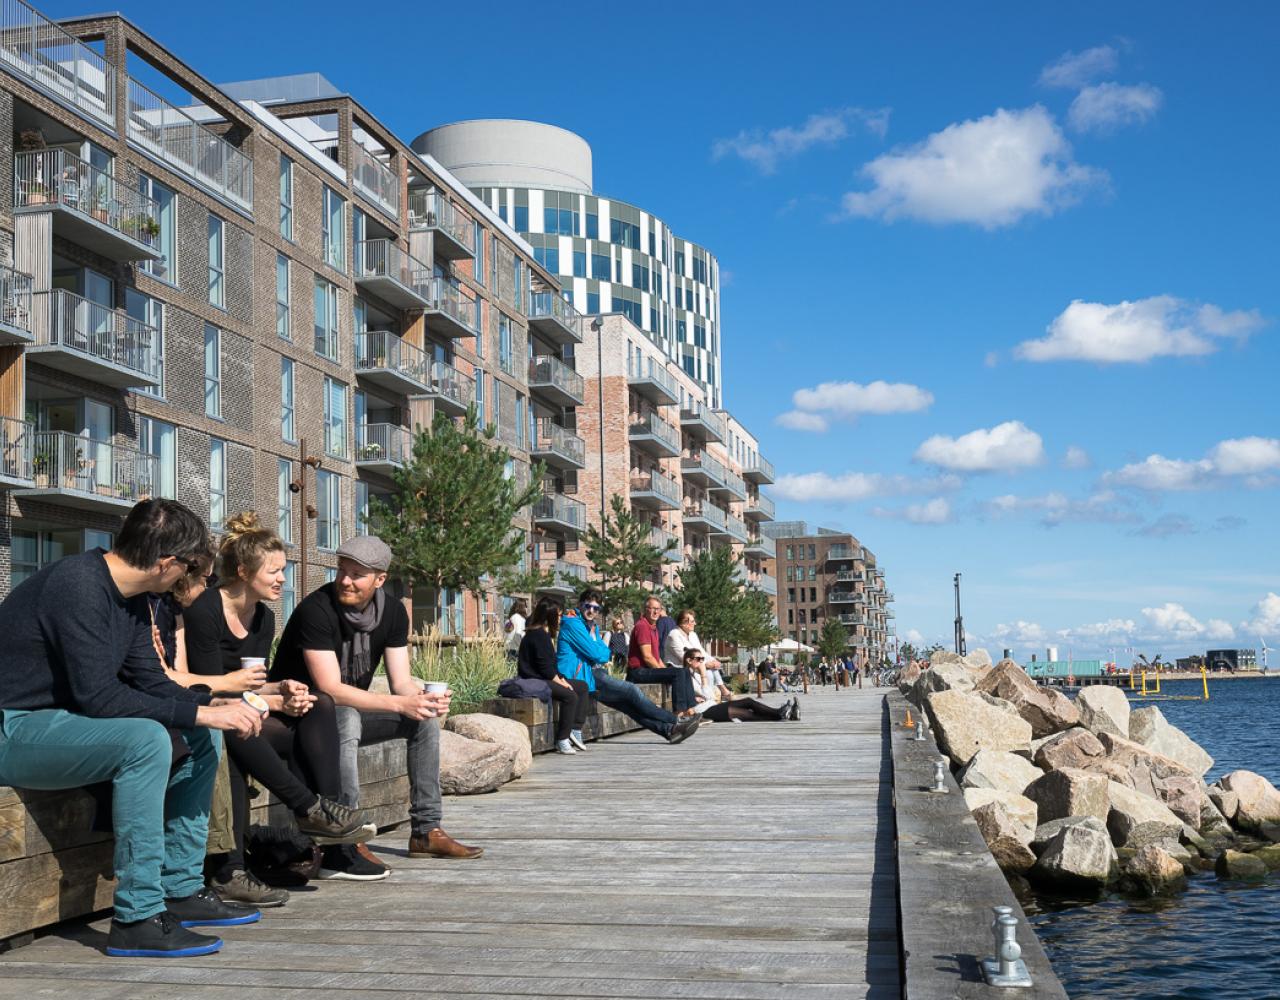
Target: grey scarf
354, 659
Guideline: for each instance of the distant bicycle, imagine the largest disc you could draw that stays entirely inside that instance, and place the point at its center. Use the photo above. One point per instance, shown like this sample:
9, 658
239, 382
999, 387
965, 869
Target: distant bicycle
886, 677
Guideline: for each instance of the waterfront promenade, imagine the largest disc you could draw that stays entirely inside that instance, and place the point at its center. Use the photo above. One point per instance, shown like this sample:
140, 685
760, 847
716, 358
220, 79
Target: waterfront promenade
755, 861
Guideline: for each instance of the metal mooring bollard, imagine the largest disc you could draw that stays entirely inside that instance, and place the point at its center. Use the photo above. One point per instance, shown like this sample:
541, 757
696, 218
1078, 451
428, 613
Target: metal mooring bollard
939, 775
1007, 967
919, 737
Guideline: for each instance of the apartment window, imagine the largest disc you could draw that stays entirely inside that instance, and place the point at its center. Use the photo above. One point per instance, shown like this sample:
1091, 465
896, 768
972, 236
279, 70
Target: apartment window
212, 371
147, 310
579, 263
166, 215
548, 257
813, 572
289, 592
217, 483
478, 243
505, 360
286, 197
593, 302
287, 432
326, 304
335, 418
601, 266
790, 574
362, 507
791, 617
789, 556
813, 554
791, 595
522, 219
328, 510
155, 437
333, 233
282, 296
284, 499
481, 410
593, 226
217, 263
520, 421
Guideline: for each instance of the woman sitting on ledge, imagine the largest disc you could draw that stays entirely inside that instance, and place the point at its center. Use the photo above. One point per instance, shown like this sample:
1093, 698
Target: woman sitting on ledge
537, 659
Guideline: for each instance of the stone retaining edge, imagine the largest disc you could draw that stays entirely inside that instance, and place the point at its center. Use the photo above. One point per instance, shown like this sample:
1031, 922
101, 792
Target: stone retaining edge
947, 883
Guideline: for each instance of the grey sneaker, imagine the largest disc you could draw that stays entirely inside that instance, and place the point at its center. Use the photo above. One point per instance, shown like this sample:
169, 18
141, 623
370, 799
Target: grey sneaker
244, 887
330, 822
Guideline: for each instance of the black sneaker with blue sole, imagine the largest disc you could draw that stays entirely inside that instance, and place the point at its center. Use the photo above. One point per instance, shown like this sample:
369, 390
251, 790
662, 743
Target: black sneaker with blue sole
160, 936
205, 909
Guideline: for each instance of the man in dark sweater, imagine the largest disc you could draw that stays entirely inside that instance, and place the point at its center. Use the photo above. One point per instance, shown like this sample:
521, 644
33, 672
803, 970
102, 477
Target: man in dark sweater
334, 641
83, 700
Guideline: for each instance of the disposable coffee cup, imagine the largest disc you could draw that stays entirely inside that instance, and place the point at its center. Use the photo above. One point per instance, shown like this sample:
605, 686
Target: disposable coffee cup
436, 687
256, 702
250, 662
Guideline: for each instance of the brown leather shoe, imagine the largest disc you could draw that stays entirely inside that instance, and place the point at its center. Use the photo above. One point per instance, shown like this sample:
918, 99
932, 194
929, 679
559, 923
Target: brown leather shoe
368, 855
438, 844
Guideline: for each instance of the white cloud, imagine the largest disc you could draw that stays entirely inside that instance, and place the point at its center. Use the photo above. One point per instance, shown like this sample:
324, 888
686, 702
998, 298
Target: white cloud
1108, 107
1005, 447
1076, 458
1265, 618
914, 637
1246, 456
1218, 630
1157, 473
1111, 629
853, 486
935, 511
1020, 631
797, 421
1075, 69
1160, 326
1167, 526
764, 149
1104, 507
1175, 620
851, 399
1254, 458
989, 172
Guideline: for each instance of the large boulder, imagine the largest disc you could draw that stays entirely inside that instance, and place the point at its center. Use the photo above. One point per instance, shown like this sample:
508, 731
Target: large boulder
1136, 757
1153, 870
1136, 820
1076, 747
1183, 795
1149, 727
978, 659
1069, 792
907, 679
1227, 803
468, 767
1048, 711
1045, 832
1258, 800
941, 656
998, 769
495, 729
1018, 807
941, 677
1006, 838
1104, 709
1269, 856
1238, 865
964, 724
1078, 857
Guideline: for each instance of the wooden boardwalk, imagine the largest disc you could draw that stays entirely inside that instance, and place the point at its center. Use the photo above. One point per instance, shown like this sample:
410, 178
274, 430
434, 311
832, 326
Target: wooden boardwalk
755, 860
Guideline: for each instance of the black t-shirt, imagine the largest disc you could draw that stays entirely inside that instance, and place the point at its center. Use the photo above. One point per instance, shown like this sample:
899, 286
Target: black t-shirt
212, 649
317, 625
537, 656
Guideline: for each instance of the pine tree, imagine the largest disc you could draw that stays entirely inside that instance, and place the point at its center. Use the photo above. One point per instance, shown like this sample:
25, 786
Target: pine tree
756, 620
622, 556
833, 640
449, 522
709, 584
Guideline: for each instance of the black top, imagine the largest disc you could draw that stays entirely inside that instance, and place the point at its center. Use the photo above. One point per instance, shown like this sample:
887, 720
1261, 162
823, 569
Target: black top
537, 656
73, 641
317, 625
212, 649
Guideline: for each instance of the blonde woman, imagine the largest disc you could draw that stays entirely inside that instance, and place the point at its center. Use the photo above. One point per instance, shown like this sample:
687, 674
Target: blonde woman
707, 679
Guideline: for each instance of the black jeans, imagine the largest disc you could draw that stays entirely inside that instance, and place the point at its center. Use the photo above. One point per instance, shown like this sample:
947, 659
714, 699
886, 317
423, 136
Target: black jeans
746, 709
682, 696
571, 705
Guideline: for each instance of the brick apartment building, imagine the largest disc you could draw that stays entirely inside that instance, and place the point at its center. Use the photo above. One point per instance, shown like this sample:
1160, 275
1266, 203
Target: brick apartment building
828, 574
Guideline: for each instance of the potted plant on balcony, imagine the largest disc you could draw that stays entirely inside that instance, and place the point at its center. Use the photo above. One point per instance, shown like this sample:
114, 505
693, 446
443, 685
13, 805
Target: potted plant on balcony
370, 453
147, 228
41, 464
125, 490
101, 210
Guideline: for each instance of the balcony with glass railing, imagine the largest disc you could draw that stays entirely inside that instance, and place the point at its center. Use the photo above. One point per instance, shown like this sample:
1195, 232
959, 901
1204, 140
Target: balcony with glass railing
553, 316
175, 138
702, 422
89, 206
453, 234
555, 381
558, 513
16, 440
655, 490
842, 597
731, 486
758, 470
449, 313
704, 517
558, 446
702, 470
95, 342
767, 583
650, 433
736, 529
761, 547
838, 552
392, 274
452, 391
568, 578
375, 180
82, 473
759, 508
15, 307
849, 576
391, 363
383, 448
45, 54
668, 543
648, 377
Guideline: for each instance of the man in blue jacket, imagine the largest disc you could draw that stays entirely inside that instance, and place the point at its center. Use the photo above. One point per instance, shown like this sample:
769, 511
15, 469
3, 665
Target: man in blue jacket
582, 656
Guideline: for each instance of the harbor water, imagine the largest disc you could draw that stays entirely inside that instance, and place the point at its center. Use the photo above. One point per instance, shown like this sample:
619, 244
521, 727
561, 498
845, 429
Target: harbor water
1216, 939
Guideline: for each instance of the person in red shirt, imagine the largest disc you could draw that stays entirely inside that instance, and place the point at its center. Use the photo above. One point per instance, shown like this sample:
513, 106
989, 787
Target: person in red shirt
645, 666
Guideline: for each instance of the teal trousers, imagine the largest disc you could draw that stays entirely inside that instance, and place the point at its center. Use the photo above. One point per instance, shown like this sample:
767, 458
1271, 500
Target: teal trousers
160, 814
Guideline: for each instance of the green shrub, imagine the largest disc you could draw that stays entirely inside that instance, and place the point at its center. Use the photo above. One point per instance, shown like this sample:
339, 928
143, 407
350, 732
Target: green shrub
472, 670
740, 684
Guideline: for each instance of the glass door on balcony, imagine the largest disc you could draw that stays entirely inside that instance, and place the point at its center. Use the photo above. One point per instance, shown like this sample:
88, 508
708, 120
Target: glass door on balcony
99, 427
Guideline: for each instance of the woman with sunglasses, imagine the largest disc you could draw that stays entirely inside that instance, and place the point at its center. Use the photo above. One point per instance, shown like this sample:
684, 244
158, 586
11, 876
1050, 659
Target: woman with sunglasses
537, 660
742, 709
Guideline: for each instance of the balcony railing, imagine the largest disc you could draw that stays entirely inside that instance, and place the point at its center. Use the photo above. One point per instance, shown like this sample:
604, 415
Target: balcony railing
842, 597
665, 438
453, 390
556, 379
762, 546
559, 444
560, 511
736, 529
668, 543
449, 312
837, 552
104, 474
708, 512
733, 485
655, 486
16, 439
174, 137
849, 618
49, 56
761, 507
385, 445
391, 362
702, 466
454, 232
702, 421
650, 378
15, 306
758, 470
554, 316
849, 576
392, 273
45, 179
569, 577
375, 180
767, 583
101, 343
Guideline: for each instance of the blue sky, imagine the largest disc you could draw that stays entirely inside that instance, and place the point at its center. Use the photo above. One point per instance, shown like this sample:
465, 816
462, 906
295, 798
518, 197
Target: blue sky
917, 196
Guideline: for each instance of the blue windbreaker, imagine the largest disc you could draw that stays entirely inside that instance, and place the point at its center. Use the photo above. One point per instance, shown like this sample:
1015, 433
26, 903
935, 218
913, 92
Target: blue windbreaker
578, 650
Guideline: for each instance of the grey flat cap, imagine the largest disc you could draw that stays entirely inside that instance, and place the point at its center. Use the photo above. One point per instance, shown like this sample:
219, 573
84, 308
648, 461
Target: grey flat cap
368, 550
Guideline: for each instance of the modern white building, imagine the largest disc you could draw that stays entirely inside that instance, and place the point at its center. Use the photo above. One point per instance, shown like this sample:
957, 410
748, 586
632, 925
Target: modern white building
610, 256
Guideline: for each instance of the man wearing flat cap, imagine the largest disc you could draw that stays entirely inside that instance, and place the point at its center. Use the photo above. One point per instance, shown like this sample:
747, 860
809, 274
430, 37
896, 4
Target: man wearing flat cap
335, 640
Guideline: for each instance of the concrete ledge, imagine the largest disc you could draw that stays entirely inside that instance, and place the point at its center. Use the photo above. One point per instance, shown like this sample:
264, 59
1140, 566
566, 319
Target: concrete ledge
947, 883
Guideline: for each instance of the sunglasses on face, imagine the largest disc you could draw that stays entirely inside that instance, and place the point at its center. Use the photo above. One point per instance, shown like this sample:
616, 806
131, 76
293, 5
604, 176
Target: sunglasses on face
697, 659
193, 566
590, 607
